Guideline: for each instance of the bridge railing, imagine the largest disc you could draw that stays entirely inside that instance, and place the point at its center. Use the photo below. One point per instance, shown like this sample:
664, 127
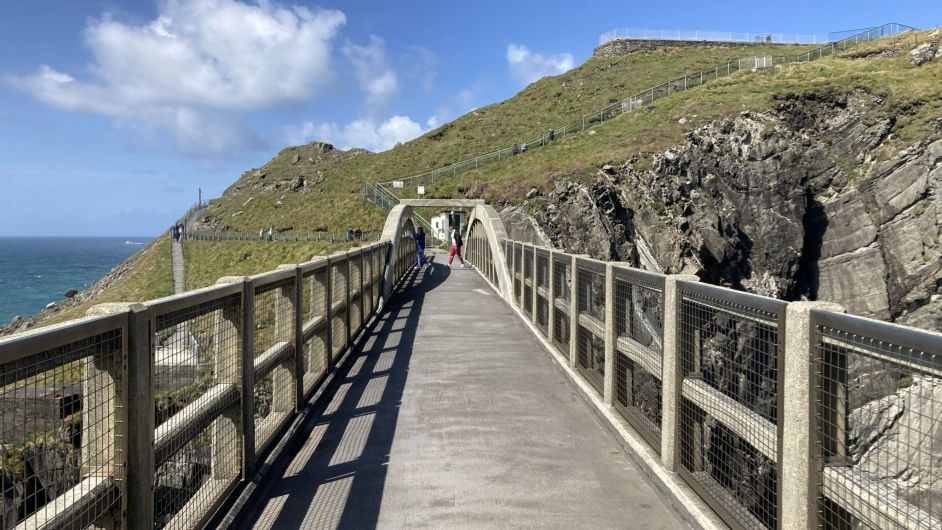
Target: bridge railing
150, 415
779, 415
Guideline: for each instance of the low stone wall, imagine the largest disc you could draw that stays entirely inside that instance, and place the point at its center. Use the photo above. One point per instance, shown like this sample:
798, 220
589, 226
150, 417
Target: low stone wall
619, 47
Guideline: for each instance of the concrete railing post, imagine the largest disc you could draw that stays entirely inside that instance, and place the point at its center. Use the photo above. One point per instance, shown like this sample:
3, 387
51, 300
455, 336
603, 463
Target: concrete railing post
672, 371
139, 474
574, 312
247, 379
611, 336
800, 473
129, 416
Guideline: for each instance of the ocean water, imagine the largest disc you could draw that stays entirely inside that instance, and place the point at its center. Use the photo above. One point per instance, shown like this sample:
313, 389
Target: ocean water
37, 270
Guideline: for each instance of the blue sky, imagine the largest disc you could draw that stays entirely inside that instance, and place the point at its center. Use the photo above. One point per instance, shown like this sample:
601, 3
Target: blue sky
113, 113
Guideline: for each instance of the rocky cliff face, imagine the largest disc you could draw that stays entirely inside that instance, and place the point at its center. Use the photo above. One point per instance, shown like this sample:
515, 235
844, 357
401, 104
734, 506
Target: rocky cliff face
790, 203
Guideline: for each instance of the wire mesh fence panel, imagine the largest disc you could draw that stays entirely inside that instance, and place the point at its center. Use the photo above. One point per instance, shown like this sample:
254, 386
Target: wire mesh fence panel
562, 280
355, 300
195, 347
590, 345
338, 289
639, 327
517, 269
315, 354
274, 345
194, 479
528, 279
542, 289
729, 441
878, 424
60, 426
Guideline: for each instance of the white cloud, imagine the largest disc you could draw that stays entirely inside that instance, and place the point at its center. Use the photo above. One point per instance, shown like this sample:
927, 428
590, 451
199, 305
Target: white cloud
374, 75
198, 62
365, 133
527, 66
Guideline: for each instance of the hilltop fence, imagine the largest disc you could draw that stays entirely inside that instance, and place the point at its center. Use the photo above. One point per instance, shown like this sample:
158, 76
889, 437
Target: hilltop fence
634, 102
231, 235
755, 37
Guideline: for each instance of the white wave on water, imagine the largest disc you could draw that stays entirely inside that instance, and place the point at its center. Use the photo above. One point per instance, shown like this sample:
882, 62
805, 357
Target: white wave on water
133, 243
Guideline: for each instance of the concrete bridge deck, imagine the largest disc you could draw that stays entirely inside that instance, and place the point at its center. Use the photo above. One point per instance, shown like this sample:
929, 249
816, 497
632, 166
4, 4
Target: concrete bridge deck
454, 416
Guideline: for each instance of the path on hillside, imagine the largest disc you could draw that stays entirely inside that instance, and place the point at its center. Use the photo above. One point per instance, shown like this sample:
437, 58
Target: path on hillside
455, 416
176, 265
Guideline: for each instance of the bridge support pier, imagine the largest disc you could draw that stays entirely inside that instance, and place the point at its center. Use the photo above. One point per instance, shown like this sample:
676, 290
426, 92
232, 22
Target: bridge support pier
611, 335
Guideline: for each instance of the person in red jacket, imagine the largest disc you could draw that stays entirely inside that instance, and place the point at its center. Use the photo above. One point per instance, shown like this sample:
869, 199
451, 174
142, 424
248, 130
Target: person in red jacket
456, 244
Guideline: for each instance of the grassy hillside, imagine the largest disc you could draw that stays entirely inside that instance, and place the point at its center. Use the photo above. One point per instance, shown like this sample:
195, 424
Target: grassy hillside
335, 203
207, 261
919, 90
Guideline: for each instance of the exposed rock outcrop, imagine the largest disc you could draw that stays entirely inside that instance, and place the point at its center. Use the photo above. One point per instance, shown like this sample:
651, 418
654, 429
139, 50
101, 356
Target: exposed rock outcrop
789, 204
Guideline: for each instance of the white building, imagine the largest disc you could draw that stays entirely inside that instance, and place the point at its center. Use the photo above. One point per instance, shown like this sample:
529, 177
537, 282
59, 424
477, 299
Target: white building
442, 221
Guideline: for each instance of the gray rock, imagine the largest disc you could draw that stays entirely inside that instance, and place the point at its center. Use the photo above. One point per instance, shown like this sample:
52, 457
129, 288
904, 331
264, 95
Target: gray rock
70, 293
52, 306
922, 54
801, 214
16, 320
532, 193
295, 159
279, 204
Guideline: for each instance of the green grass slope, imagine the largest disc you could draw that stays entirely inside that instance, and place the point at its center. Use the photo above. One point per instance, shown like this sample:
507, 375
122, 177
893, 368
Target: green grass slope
335, 203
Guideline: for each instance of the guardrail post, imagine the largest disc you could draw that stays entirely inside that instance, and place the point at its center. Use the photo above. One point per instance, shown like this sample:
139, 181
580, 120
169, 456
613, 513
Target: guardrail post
247, 379
799, 455
611, 335
139, 458
574, 312
672, 371
118, 397
299, 339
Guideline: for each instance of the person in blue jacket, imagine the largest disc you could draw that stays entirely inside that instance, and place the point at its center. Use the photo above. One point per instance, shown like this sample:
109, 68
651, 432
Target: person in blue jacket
420, 247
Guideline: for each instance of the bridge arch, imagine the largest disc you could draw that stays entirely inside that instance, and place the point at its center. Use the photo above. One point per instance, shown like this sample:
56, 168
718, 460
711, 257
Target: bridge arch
485, 249
399, 231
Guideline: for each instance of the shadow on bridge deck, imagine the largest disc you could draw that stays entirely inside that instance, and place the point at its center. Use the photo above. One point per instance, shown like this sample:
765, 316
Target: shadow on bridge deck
453, 415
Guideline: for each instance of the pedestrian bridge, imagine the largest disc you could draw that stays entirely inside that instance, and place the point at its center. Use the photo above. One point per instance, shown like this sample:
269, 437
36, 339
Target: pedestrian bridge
533, 389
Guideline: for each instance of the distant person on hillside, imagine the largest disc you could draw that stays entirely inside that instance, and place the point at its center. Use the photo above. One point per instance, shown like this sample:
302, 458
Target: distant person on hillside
270, 235
420, 247
261, 234
174, 233
523, 147
513, 150
552, 134
350, 234
358, 234
456, 244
